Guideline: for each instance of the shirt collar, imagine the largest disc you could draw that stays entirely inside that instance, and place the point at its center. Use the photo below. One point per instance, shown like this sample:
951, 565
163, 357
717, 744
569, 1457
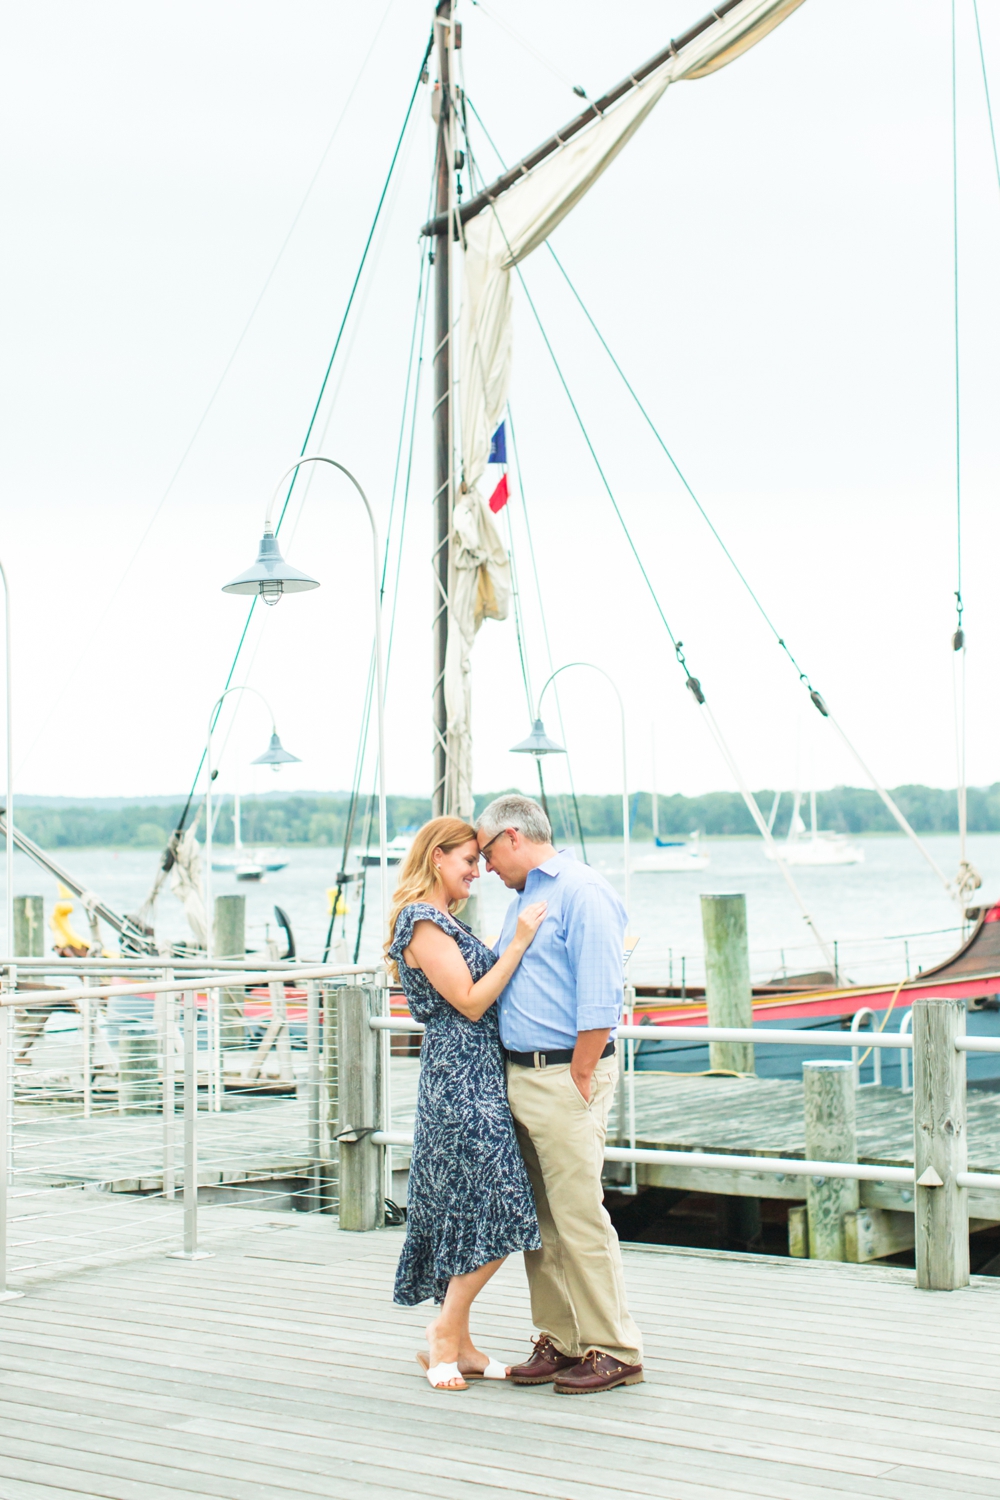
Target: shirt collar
554, 865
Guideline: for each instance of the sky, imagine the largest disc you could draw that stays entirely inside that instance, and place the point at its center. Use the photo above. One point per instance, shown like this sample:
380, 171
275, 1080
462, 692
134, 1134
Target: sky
188, 189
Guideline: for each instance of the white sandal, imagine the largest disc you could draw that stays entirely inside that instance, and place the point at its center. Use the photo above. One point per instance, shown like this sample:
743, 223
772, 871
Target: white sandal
439, 1375
494, 1371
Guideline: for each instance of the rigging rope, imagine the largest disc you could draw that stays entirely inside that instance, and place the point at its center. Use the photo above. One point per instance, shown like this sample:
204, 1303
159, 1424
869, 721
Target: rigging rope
168, 857
968, 879
958, 640
417, 344
816, 698
691, 682
986, 88
545, 629
477, 181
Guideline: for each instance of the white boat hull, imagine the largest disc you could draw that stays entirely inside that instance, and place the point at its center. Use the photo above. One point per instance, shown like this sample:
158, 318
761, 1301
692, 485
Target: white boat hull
670, 862
817, 851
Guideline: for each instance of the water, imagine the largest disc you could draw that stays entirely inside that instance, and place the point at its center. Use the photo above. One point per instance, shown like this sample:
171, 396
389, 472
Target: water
887, 914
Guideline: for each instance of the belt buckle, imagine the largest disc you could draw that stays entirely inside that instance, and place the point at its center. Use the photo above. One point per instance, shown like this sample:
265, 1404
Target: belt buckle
540, 1059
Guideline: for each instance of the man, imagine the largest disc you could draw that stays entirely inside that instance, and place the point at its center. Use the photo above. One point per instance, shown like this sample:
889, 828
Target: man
557, 1019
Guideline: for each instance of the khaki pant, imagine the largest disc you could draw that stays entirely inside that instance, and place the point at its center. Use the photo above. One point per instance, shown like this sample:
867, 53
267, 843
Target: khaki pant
577, 1287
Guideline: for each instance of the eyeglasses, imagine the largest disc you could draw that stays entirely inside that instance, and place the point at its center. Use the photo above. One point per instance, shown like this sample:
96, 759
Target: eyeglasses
485, 850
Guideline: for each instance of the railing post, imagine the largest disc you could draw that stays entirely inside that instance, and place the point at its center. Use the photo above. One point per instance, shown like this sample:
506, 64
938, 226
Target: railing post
905, 1087
190, 1251
87, 1040
7, 1034
831, 1135
359, 1052
167, 1011
727, 978
328, 1104
940, 1146
312, 1091
857, 1021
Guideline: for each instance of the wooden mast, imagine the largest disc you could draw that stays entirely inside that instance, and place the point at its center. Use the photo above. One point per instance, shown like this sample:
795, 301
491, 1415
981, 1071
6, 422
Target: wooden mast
443, 446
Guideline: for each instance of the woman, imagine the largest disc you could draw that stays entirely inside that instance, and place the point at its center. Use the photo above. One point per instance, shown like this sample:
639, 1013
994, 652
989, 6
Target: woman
469, 1202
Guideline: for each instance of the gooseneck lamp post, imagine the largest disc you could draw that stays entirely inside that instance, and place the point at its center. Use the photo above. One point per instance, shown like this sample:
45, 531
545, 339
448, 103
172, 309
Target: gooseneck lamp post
539, 744
271, 577
275, 755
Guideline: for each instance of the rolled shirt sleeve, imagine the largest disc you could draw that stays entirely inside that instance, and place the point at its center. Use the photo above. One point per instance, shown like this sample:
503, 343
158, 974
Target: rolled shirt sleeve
595, 946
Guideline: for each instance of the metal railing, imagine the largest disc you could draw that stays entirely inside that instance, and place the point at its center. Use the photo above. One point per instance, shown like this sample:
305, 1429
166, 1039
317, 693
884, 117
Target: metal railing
939, 1178
130, 1105
102, 1158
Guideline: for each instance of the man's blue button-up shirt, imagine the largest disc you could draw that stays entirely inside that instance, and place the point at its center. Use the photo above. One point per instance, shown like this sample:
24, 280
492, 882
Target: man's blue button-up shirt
571, 978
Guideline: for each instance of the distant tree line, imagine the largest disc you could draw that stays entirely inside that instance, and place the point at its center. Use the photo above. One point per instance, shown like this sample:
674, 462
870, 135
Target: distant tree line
321, 820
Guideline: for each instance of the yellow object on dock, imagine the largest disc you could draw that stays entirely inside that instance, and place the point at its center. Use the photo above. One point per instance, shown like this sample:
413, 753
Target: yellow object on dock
65, 934
343, 909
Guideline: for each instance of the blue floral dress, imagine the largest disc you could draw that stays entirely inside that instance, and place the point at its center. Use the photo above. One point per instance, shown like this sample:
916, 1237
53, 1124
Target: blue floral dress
469, 1200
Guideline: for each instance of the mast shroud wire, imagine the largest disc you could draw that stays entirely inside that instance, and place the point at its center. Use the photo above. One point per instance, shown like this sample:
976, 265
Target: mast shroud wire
803, 676
818, 701
545, 631
168, 854
968, 878
958, 639
474, 175
417, 343
986, 89
691, 682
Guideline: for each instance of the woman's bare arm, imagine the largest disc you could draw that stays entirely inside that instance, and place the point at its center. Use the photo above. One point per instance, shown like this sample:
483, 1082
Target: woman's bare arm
439, 957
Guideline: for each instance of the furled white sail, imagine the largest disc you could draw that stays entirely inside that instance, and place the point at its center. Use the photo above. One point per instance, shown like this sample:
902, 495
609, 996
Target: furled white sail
185, 882
503, 234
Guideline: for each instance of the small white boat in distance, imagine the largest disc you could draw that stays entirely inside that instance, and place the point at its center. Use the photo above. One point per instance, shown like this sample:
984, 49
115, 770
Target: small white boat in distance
817, 847
396, 851
672, 857
246, 865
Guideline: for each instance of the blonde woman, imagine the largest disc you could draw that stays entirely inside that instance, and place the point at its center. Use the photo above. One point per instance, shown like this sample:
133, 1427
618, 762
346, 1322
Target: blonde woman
469, 1201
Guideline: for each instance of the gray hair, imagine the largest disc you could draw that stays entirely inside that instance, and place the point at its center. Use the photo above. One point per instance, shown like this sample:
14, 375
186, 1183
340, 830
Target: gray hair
515, 811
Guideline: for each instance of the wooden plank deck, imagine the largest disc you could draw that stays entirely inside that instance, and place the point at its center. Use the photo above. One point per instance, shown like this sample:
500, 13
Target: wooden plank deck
280, 1368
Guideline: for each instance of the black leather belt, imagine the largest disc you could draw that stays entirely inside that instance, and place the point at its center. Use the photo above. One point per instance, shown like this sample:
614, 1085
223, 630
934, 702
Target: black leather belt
548, 1059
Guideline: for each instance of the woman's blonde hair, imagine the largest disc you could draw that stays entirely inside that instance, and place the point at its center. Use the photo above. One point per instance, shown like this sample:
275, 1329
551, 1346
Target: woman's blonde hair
419, 876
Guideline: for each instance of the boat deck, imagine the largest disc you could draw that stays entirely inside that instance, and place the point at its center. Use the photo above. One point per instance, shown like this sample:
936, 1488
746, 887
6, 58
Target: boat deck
281, 1368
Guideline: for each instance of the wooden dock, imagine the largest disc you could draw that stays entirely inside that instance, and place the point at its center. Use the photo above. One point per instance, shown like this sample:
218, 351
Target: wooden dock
280, 1368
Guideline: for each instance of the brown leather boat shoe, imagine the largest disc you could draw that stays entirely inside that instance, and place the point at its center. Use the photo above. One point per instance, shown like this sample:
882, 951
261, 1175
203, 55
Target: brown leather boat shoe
544, 1365
597, 1372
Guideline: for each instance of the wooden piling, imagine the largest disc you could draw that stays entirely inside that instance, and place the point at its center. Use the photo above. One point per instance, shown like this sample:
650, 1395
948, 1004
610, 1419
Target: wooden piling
29, 927
229, 941
727, 978
362, 1163
940, 1145
831, 1135
138, 1071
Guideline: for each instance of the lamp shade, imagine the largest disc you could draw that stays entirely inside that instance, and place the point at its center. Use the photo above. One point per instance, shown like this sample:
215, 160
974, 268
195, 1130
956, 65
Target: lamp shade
275, 754
537, 743
270, 575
